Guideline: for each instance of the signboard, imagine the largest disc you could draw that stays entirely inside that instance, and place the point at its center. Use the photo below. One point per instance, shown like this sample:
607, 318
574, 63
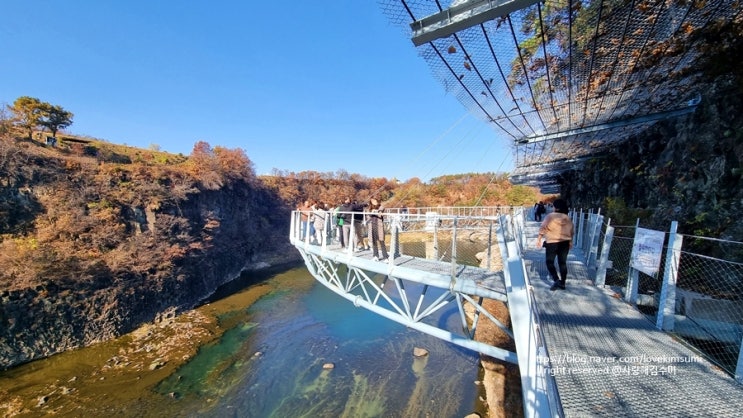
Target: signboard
647, 250
431, 221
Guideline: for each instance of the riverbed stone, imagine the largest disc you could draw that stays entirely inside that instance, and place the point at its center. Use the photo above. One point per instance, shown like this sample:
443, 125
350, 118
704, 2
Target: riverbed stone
157, 364
420, 352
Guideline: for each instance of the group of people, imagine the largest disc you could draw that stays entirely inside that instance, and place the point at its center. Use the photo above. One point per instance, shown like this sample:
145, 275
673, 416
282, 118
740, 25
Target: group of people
313, 215
325, 224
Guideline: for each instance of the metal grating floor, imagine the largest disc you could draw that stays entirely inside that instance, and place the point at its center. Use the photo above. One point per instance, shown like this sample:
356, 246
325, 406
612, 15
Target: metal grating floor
488, 279
608, 359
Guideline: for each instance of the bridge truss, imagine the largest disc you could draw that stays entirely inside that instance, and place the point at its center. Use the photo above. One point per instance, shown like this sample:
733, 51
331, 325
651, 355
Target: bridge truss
435, 289
439, 295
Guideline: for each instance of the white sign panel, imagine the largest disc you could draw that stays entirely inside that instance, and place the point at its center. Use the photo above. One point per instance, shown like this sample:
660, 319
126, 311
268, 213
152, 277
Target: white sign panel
431, 219
647, 250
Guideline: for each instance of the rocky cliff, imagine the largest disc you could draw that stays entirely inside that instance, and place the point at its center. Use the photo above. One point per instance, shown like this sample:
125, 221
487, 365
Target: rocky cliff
686, 169
91, 249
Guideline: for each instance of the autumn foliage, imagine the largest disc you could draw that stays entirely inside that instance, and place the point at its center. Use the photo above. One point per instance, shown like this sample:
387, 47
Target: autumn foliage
111, 212
104, 213
472, 189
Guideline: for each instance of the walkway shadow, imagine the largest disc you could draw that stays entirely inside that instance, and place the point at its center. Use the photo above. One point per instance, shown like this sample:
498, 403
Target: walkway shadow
607, 357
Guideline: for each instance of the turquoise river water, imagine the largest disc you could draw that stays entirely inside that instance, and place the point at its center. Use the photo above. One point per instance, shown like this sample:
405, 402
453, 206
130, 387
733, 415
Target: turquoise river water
275, 335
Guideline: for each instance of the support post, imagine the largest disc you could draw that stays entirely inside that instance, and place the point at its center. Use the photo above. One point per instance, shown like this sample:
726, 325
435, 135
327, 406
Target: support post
293, 226
633, 277
435, 239
595, 225
307, 229
581, 221
520, 220
632, 286
350, 245
739, 367
490, 246
605, 249
395, 241
454, 253
667, 303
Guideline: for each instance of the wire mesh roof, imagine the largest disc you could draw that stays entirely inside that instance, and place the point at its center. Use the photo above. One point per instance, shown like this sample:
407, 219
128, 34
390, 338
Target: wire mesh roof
564, 80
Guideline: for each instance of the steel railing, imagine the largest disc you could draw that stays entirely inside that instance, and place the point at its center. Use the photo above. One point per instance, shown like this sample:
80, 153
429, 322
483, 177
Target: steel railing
697, 292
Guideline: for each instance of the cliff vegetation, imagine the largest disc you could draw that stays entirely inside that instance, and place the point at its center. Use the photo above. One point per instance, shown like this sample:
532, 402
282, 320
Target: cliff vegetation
98, 238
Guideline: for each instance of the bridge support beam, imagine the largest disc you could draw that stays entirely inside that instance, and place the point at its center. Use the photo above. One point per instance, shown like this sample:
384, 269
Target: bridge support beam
462, 16
413, 301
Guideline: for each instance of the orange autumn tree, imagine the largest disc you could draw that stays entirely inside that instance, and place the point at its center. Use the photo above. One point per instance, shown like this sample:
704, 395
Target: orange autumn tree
214, 167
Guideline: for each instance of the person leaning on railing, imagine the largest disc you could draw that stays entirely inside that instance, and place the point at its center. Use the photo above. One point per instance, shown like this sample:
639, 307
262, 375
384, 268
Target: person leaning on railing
557, 232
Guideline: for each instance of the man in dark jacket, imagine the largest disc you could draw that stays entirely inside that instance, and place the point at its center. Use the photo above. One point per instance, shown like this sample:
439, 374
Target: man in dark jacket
344, 213
351, 219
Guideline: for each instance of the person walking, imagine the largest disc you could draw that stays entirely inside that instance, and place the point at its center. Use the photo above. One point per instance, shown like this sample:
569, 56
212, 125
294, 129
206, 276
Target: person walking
539, 210
557, 232
375, 228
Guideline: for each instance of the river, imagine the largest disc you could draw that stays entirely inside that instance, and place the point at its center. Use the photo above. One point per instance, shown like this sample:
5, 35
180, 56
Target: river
259, 348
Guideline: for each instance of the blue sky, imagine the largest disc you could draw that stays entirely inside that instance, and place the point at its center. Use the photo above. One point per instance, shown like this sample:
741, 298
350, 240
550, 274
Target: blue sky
297, 85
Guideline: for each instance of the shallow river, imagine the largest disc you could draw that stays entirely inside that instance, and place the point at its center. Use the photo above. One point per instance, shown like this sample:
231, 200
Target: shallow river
259, 352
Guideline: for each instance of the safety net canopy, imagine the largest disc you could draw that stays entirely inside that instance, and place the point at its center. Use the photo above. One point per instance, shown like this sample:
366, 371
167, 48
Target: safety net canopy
564, 80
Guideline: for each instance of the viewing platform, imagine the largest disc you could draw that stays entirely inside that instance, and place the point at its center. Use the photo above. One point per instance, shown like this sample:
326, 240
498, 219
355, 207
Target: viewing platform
589, 350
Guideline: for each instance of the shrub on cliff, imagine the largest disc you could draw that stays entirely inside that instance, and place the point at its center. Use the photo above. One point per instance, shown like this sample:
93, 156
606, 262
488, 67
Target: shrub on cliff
65, 215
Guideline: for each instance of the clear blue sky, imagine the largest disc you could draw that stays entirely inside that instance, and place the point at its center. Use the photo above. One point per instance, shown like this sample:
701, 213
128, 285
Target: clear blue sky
298, 85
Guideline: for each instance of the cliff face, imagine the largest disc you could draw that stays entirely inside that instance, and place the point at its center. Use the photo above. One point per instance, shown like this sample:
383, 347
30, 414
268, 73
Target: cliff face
686, 169
92, 250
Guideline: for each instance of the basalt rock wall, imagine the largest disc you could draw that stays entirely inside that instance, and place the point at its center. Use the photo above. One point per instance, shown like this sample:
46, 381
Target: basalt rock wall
686, 169
163, 253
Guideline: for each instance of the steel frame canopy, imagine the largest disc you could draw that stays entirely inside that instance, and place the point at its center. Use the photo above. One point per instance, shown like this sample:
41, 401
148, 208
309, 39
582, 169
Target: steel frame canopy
562, 80
462, 16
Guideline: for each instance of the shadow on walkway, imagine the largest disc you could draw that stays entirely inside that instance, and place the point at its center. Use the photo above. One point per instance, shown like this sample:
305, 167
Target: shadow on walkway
609, 359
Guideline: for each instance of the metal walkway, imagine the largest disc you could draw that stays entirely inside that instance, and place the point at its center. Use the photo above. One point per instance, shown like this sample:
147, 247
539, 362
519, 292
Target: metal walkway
413, 291
582, 351
608, 359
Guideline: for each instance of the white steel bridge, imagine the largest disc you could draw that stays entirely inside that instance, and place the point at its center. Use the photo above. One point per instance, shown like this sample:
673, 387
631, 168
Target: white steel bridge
585, 351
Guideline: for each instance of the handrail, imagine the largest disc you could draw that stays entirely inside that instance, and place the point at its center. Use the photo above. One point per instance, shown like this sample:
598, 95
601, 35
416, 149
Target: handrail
353, 275
539, 389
